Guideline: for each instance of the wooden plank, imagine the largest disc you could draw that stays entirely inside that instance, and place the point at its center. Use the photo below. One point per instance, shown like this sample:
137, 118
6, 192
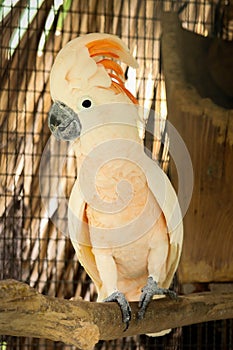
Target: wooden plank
207, 130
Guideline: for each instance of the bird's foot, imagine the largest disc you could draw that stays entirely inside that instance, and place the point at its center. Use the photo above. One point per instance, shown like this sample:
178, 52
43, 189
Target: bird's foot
148, 292
124, 305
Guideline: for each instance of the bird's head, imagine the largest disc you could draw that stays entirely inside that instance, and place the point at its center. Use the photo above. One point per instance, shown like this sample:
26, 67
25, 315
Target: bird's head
86, 74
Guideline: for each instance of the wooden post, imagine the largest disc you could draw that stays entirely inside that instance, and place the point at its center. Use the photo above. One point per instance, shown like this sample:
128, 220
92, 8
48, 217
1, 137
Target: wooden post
200, 107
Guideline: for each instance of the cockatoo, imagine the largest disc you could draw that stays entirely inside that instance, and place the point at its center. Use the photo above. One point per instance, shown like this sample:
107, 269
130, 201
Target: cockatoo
131, 252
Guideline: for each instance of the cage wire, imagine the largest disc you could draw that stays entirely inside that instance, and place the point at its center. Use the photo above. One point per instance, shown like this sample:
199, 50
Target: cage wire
32, 32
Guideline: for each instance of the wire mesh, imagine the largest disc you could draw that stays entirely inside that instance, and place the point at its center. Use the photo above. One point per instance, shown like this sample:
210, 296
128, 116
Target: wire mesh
31, 34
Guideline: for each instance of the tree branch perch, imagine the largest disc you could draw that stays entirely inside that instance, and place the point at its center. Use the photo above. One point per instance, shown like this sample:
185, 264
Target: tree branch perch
25, 312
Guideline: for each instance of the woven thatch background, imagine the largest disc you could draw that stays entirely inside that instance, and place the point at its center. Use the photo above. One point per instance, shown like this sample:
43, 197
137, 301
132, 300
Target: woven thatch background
31, 248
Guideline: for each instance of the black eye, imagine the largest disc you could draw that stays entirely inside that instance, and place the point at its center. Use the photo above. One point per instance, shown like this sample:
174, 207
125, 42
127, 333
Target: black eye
86, 103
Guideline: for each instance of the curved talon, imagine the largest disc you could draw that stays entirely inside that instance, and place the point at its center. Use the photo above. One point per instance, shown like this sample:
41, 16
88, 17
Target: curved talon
148, 292
124, 305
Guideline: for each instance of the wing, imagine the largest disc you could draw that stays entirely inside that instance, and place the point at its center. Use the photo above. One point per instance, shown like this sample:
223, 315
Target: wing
80, 236
166, 197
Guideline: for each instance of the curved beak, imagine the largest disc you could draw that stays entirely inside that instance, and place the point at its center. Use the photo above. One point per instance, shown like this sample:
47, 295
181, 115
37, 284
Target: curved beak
64, 122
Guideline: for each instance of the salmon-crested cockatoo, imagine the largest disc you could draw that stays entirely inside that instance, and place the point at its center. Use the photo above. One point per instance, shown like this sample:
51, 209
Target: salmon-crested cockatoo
124, 218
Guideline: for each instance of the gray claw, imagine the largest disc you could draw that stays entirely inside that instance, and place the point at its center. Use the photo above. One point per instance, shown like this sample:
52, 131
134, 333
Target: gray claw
148, 292
124, 305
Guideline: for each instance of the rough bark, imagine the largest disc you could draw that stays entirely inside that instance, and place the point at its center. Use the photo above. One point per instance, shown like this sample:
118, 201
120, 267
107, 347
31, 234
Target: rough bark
25, 312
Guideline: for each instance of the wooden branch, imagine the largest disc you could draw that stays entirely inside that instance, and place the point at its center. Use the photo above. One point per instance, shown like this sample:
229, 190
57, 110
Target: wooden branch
25, 312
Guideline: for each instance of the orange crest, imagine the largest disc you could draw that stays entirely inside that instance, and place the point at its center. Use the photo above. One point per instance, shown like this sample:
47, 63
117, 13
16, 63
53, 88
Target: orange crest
113, 50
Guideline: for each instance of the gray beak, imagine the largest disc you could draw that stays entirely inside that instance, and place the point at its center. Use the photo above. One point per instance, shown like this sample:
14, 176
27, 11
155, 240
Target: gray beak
64, 122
